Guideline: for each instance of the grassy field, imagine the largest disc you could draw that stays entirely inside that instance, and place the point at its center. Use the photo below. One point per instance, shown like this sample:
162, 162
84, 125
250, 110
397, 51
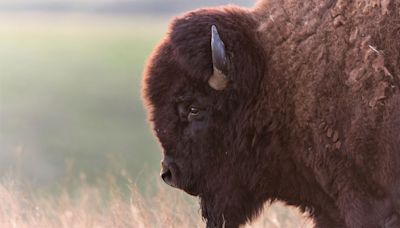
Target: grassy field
75, 147
70, 96
90, 207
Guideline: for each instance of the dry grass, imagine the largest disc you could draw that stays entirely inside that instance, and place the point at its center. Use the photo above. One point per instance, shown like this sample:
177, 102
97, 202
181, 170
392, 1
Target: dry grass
89, 207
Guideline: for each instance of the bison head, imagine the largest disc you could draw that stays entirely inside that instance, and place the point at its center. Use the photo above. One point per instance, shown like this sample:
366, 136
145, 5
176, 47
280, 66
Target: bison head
200, 87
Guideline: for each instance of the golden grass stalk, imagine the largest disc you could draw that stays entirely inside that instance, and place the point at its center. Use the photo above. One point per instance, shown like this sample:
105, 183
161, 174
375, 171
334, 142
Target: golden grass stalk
89, 207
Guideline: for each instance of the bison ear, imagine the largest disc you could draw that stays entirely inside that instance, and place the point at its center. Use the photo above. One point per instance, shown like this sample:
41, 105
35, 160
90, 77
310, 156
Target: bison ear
218, 79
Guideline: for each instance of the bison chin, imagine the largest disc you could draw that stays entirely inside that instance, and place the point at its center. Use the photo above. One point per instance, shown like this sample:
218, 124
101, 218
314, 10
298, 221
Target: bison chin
191, 191
228, 210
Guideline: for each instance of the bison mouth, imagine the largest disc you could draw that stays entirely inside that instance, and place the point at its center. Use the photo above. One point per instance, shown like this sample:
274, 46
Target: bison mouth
191, 191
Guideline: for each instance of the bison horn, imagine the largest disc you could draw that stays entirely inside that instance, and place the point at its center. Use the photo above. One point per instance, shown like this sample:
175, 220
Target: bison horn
218, 79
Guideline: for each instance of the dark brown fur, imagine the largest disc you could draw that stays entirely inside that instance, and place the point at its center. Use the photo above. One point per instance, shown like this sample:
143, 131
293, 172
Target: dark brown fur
311, 114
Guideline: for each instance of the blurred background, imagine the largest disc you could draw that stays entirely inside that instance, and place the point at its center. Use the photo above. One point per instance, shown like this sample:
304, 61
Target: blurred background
70, 78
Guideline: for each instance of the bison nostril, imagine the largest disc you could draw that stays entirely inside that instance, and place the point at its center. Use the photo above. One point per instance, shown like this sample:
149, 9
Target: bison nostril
168, 172
166, 176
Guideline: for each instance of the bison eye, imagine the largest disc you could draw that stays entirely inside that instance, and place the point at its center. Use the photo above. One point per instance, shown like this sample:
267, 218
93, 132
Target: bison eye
193, 111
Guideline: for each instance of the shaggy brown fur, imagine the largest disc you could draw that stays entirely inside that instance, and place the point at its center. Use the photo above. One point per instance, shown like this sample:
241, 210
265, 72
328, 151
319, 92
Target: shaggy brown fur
311, 114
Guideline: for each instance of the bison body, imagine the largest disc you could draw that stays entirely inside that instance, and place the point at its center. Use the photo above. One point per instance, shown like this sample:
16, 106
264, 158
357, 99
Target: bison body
306, 110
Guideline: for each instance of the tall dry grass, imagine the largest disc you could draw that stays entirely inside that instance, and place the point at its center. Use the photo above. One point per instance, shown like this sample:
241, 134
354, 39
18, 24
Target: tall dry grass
90, 207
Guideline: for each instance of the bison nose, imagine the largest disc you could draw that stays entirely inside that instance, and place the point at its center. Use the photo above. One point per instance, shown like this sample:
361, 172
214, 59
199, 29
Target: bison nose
167, 173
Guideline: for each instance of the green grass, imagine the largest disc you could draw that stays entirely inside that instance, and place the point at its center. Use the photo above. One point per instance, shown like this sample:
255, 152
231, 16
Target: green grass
70, 96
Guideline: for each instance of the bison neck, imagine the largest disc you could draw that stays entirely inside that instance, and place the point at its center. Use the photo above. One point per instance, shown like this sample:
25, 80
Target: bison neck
326, 86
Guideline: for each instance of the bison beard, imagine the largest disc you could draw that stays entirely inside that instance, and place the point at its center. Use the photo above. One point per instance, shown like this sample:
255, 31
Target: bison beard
295, 101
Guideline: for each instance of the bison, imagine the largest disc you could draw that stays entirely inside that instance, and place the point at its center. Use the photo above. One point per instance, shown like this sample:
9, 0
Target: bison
296, 101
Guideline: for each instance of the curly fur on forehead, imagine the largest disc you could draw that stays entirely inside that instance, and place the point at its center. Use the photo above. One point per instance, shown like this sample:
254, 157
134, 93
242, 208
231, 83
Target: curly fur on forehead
188, 46
190, 37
